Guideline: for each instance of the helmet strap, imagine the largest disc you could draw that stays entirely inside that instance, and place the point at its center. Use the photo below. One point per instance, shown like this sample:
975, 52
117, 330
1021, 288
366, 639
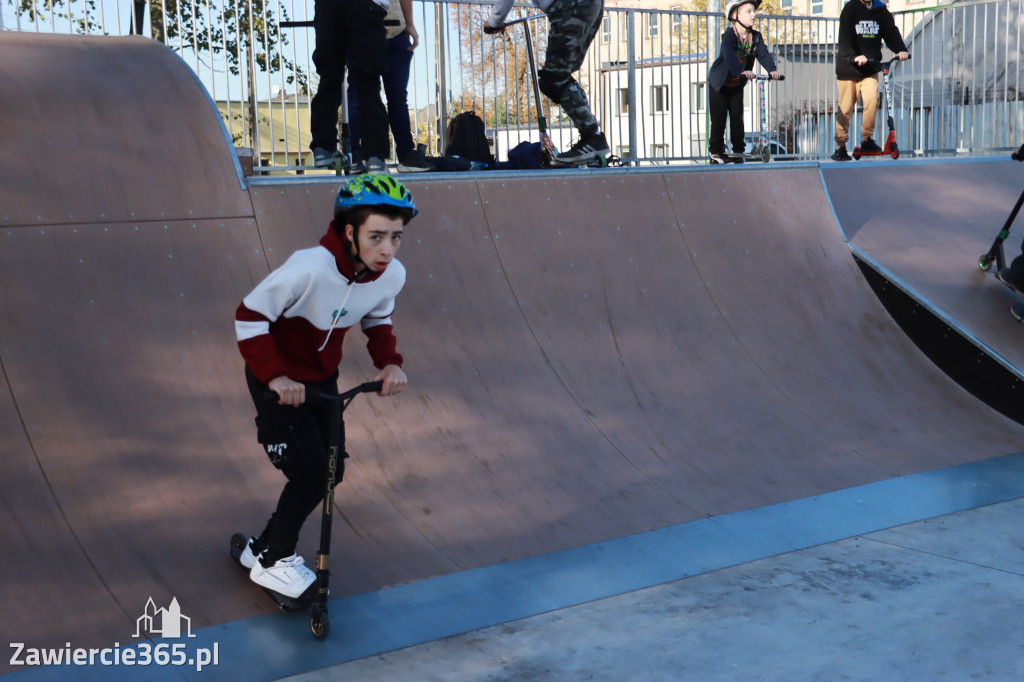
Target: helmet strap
737, 21
354, 242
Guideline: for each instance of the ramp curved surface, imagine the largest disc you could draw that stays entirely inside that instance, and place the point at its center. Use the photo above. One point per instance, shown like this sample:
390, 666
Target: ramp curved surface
591, 355
927, 223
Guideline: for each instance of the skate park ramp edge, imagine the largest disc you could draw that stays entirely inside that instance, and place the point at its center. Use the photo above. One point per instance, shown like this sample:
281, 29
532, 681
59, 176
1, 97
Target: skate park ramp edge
593, 357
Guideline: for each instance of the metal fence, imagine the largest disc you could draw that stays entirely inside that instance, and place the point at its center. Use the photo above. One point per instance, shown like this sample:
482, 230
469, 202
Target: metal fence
645, 74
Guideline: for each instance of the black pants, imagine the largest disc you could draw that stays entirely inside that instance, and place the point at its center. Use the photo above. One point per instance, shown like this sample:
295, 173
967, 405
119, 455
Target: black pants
726, 101
295, 439
351, 30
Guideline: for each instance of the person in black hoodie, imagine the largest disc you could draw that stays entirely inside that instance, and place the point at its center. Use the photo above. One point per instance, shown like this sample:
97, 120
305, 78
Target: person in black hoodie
728, 75
863, 25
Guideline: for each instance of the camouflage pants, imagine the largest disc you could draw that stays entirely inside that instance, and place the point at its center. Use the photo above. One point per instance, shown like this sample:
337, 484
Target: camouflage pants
573, 25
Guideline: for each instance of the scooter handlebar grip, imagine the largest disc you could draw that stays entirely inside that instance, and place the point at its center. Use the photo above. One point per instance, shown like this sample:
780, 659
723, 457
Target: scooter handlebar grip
372, 387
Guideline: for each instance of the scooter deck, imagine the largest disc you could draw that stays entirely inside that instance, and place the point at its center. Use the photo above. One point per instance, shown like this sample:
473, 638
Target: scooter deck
597, 162
747, 157
284, 602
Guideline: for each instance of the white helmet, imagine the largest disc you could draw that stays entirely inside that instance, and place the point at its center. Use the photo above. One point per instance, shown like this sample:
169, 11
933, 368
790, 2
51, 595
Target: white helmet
733, 4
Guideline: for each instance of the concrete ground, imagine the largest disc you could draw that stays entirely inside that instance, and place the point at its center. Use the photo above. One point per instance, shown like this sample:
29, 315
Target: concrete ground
939, 599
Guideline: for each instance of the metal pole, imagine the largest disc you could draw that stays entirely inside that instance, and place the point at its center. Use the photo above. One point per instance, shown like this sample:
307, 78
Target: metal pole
441, 86
254, 138
631, 83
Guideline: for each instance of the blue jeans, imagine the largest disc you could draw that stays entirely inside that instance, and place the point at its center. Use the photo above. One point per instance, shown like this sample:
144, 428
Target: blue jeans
396, 82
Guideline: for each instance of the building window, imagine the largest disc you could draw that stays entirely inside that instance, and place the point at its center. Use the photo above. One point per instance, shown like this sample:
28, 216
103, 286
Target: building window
677, 19
623, 98
787, 4
699, 98
659, 153
659, 99
652, 25
625, 152
606, 29
817, 6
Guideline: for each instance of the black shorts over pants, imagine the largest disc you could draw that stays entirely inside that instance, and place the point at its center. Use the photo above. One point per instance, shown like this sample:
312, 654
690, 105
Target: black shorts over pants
296, 441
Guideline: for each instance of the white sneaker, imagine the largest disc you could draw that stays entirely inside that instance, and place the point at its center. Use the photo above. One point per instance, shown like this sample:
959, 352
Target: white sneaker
247, 558
289, 576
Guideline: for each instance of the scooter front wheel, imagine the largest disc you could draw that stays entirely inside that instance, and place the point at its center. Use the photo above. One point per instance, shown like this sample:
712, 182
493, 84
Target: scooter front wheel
319, 623
894, 151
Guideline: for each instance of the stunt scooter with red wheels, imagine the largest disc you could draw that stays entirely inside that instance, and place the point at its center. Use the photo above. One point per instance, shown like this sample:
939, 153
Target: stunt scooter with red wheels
316, 594
890, 148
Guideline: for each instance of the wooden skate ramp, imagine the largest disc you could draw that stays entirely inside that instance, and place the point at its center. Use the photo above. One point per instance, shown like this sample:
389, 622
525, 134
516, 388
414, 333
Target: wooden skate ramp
590, 355
927, 223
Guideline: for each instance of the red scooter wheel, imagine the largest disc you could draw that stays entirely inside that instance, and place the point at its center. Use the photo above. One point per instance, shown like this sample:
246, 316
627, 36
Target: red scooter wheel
894, 151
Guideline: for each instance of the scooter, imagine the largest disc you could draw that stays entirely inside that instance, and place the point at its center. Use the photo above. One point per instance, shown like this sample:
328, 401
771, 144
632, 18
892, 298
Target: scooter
761, 151
890, 148
995, 253
319, 623
548, 150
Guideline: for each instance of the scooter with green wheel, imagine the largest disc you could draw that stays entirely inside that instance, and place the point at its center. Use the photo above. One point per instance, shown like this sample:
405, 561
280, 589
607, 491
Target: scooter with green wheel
548, 150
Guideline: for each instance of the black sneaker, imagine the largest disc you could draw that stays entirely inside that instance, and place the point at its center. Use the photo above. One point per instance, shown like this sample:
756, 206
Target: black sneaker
869, 146
414, 162
737, 159
1017, 310
1004, 277
840, 154
324, 157
375, 165
586, 148
717, 158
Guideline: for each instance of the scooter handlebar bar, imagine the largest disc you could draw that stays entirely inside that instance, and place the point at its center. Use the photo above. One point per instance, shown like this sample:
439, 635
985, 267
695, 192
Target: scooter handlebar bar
368, 387
885, 64
763, 77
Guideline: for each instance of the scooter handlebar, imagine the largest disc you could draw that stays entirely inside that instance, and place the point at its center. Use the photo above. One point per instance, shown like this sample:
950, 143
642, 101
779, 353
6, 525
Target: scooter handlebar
764, 77
885, 64
368, 387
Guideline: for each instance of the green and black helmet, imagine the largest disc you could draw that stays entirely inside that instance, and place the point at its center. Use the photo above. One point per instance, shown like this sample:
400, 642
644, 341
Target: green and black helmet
374, 190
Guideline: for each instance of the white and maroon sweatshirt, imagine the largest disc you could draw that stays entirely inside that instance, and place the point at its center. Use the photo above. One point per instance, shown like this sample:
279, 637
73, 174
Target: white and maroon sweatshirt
293, 323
